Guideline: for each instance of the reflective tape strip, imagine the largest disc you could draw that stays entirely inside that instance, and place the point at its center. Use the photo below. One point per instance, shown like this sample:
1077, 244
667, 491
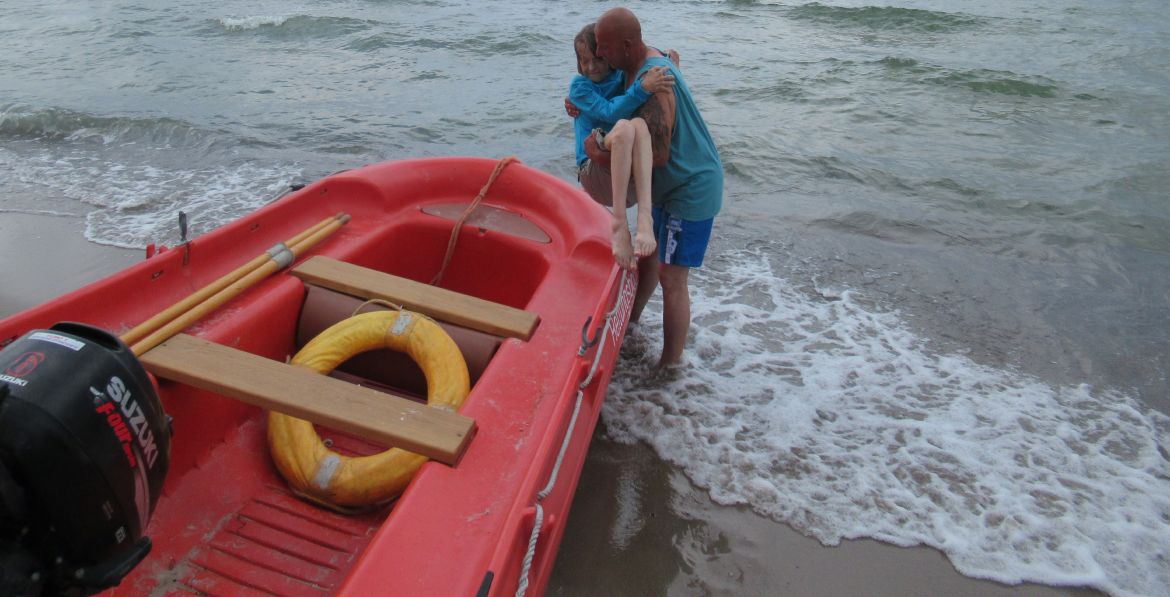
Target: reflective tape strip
282, 255
400, 323
326, 471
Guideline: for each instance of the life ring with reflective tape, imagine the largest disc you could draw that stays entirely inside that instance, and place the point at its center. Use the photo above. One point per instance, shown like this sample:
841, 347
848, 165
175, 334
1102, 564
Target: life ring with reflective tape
321, 475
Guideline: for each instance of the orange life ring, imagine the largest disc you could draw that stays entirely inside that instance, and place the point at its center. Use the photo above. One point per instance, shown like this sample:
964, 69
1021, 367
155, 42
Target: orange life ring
319, 474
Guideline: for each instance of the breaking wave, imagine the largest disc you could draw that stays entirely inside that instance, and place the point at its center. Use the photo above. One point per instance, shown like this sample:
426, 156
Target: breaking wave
977, 80
835, 419
253, 22
59, 124
886, 18
131, 176
292, 26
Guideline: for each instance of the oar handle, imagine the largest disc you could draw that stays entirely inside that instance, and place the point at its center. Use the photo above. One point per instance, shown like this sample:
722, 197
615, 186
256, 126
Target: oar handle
272, 263
143, 329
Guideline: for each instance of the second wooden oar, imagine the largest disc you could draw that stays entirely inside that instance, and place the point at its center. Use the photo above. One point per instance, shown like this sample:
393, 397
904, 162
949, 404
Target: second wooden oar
141, 330
273, 264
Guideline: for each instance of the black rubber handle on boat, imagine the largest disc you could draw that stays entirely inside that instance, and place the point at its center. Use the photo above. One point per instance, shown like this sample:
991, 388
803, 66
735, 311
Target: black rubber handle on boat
586, 343
486, 586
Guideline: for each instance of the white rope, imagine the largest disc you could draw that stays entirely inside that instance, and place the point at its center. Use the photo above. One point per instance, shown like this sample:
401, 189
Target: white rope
526, 567
532, 538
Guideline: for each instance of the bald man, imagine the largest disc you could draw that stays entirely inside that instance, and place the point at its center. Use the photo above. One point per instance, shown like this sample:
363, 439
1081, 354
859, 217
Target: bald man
687, 180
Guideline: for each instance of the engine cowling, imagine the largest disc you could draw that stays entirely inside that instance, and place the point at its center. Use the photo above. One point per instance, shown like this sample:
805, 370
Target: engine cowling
84, 448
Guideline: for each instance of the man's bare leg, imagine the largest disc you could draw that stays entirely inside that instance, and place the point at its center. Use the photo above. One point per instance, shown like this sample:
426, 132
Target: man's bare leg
620, 142
647, 283
676, 312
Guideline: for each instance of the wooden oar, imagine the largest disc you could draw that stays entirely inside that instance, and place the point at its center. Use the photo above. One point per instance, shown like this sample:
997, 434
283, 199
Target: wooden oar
184, 319
141, 330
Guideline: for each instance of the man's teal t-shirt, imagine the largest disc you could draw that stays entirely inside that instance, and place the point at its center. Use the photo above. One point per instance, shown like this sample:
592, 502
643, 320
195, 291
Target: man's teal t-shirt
690, 185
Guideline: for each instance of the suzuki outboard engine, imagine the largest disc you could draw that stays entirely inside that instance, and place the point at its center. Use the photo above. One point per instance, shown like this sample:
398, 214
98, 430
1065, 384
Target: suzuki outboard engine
84, 450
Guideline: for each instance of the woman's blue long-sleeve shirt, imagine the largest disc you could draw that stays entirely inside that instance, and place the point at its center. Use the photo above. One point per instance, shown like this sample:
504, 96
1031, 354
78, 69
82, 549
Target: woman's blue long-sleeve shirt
598, 110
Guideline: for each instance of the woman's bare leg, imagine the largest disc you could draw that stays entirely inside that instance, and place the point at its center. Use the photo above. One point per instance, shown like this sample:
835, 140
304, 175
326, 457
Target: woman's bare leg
643, 159
620, 142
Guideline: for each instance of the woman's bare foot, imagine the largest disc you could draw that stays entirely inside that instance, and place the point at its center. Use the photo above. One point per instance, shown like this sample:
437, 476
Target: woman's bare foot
623, 251
644, 243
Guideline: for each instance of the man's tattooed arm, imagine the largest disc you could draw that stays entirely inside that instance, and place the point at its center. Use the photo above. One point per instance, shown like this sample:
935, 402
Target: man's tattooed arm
658, 112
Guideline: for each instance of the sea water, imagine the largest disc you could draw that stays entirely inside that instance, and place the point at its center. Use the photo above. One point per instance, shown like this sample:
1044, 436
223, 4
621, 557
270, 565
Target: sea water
935, 310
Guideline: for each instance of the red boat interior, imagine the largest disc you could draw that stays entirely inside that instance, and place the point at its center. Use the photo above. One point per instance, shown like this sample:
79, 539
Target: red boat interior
259, 537
248, 534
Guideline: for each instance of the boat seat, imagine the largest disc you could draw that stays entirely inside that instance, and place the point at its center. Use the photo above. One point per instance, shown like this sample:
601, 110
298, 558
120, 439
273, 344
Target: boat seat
385, 419
389, 369
438, 303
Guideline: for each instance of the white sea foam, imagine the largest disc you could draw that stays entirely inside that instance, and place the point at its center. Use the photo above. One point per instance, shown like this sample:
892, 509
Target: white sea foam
38, 212
252, 22
210, 198
837, 420
133, 204
630, 518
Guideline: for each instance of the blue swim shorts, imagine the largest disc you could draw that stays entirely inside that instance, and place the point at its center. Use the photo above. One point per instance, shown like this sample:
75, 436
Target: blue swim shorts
681, 242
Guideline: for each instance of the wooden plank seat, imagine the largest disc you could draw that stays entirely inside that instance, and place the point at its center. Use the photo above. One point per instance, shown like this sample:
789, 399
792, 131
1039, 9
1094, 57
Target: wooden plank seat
438, 303
385, 419
395, 370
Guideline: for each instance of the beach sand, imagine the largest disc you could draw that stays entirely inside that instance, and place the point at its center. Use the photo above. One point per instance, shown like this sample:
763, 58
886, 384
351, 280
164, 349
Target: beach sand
47, 256
637, 527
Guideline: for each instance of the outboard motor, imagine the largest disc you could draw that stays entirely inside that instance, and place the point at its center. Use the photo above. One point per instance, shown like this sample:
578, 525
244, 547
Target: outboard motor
84, 450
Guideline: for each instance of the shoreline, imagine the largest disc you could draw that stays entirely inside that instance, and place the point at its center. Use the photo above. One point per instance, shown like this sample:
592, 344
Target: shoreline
641, 521
637, 525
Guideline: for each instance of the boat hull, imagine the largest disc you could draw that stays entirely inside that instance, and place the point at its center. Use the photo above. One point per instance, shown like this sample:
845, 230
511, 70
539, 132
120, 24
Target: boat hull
226, 523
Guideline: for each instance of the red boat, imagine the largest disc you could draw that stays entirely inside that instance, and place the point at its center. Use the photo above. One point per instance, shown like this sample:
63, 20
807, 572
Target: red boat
527, 289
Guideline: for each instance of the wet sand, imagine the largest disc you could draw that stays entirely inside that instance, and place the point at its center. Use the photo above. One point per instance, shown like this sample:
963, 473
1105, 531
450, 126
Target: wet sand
638, 527
42, 257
